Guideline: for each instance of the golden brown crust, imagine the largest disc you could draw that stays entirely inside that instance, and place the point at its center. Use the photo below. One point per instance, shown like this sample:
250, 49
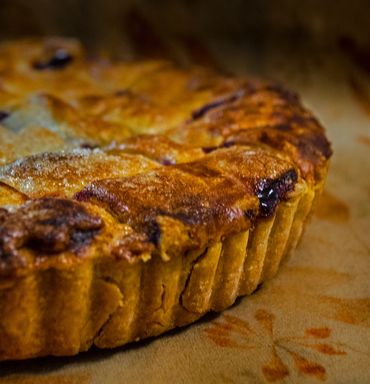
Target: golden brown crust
65, 173
211, 197
112, 105
264, 115
149, 166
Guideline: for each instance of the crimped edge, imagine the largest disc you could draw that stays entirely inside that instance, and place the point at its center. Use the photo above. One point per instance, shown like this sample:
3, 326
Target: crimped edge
109, 303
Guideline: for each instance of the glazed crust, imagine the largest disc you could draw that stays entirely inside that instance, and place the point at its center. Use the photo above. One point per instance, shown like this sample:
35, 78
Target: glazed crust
105, 162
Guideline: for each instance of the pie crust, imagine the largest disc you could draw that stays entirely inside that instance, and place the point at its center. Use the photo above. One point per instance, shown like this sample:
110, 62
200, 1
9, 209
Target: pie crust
137, 196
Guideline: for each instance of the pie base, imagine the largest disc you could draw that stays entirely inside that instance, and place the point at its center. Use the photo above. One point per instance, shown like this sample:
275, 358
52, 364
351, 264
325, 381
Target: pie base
109, 303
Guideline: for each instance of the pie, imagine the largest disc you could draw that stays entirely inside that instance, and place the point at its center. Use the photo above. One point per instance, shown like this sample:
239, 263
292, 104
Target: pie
137, 196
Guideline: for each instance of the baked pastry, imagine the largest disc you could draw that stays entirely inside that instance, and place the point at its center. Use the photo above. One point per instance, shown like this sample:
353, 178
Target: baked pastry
136, 197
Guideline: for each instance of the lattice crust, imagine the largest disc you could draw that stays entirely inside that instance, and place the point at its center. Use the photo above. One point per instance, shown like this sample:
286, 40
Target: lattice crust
135, 197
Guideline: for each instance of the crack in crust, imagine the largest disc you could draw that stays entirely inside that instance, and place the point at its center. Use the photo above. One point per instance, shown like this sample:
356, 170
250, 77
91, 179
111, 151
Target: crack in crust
47, 225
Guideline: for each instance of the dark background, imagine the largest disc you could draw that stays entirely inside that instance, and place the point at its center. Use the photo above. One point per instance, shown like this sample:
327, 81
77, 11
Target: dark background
121, 26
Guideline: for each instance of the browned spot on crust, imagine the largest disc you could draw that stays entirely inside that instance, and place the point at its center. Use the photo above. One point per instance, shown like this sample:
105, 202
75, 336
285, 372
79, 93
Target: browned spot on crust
145, 39
364, 140
333, 209
275, 370
361, 95
47, 379
47, 225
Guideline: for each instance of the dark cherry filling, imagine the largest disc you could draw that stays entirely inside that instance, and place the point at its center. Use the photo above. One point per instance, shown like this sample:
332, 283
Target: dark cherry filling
270, 192
59, 60
88, 146
3, 115
153, 232
226, 144
209, 149
198, 113
166, 161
